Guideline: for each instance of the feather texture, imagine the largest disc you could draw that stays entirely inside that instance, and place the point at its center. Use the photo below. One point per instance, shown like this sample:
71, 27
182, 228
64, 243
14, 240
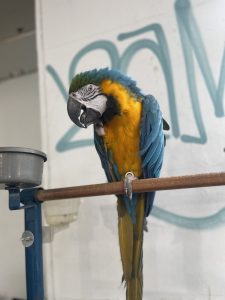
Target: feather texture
133, 142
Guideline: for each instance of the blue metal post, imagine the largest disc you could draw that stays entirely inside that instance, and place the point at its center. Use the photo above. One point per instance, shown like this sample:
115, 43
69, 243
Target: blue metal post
33, 241
34, 258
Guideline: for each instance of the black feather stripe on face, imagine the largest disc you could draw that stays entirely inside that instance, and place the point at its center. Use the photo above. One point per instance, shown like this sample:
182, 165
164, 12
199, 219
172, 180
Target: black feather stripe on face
112, 109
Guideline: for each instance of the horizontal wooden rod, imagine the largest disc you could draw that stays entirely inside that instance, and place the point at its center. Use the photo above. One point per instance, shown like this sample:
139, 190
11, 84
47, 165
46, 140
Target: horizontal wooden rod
141, 185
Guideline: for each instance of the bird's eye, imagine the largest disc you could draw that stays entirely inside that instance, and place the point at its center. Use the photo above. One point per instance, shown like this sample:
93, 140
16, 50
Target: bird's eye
90, 88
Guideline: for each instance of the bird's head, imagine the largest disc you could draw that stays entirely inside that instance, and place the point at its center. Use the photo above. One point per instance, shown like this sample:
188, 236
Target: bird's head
86, 105
92, 101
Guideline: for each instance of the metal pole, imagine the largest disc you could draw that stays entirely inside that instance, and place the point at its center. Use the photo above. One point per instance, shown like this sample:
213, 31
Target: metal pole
32, 240
142, 185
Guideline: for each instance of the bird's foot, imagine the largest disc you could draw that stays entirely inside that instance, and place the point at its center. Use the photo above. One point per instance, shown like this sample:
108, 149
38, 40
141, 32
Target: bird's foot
129, 177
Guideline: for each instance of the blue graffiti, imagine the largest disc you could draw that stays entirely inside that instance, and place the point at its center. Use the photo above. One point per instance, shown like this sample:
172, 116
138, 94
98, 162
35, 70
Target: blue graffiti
192, 42
209, 222
192, 46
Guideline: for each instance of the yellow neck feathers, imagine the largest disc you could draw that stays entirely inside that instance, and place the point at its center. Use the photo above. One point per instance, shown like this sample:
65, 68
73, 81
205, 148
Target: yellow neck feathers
122, 133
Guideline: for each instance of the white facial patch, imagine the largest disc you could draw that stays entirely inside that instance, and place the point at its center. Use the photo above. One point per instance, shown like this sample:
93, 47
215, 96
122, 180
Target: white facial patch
98, 103
90, 96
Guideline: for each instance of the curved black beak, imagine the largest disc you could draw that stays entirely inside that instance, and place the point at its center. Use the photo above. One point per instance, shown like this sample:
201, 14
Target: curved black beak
74, 111
81, 115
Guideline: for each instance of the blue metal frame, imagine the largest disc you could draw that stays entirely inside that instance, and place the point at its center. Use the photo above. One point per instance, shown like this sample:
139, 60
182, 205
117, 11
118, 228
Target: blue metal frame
26, 200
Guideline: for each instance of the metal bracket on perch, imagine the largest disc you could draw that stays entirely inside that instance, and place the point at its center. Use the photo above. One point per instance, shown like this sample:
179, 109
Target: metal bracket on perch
129, 177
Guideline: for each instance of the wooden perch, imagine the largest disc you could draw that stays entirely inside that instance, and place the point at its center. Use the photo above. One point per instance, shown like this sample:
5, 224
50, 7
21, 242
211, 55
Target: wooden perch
141, 185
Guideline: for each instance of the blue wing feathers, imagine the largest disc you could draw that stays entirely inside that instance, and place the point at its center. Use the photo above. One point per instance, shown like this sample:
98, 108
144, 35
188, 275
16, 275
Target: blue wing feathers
151, 122
159, 162
151, 144
154, 154
149, 141
151, 154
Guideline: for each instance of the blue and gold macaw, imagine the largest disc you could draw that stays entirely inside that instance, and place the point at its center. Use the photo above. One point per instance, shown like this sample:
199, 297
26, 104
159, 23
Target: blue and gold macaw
128, 136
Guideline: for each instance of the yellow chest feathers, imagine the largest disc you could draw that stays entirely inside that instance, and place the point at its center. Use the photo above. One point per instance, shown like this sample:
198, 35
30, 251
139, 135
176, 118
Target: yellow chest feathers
122, 133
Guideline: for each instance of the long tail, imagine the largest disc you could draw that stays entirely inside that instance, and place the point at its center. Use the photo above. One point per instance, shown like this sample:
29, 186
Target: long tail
131, 248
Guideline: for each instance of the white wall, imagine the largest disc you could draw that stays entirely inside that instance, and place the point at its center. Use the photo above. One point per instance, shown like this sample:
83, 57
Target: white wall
184, 255
19, 126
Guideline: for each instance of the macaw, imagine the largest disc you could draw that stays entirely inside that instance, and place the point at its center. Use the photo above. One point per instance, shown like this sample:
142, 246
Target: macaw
129, 139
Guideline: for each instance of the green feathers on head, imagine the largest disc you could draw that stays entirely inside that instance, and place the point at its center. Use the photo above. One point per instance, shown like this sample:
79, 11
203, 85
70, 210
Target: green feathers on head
97, 76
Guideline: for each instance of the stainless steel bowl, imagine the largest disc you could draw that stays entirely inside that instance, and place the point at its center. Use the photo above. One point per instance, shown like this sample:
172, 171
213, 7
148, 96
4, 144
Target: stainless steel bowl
20, 167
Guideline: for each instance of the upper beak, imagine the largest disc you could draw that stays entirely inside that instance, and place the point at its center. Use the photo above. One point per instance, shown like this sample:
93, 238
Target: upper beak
74, 110
81, 115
